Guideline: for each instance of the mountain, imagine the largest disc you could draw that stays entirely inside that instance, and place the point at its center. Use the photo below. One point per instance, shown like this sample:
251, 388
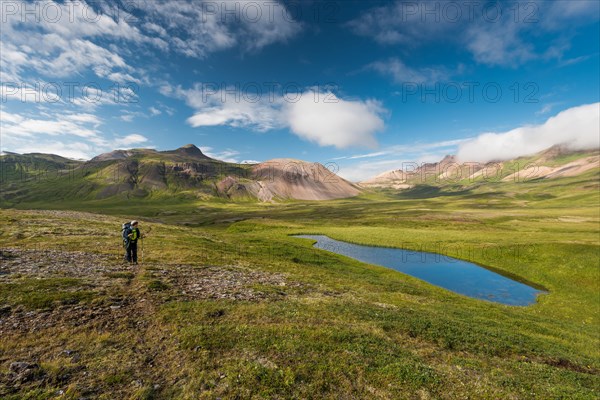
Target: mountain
189, 152
187, 173
554, 162
289, 179
184, 172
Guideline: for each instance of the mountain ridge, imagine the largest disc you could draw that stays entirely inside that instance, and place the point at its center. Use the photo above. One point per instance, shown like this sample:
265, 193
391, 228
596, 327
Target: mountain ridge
187, 172
554, 162
183, 172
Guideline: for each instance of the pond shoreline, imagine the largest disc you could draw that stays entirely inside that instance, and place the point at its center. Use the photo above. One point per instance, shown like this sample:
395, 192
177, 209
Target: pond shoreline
470, 280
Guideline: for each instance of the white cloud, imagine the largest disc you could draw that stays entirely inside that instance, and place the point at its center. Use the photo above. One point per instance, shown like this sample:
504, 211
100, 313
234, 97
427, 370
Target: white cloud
224, 108
265, 23
8, 118
576, 60
186, 28
75, 18
498, 44
154, 111
320, 117
69, 135
365, 169
91, 98
127, 117
418, 148
61, 42
227, 155
242, 114
403, 23
360, 167
331, 121
198, 28
84, 118
502, 39
401, 73
557, 13
577, 128
74, 135
124, 78
362, 171
74, 37
15, 126
13, 60
130, 140
73, 150
547, 108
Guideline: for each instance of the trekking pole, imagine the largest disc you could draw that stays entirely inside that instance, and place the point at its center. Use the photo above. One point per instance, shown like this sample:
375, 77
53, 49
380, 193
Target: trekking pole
142, 250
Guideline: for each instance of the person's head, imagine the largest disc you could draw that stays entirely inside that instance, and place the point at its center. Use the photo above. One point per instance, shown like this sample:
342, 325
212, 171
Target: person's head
134, 224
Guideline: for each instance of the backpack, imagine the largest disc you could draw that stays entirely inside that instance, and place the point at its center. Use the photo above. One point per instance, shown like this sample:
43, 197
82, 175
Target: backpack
125, 230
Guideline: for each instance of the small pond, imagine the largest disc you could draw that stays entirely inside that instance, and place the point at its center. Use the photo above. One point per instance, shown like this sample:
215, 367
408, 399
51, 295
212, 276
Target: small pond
450, 273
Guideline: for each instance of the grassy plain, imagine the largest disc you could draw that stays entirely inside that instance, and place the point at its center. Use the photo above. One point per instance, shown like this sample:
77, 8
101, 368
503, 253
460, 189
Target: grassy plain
296, 322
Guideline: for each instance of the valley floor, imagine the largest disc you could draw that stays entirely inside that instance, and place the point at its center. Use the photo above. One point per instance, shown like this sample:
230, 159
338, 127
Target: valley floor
227, 305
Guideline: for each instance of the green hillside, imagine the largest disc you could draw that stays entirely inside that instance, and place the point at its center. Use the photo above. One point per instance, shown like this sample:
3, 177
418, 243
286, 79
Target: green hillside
184, 172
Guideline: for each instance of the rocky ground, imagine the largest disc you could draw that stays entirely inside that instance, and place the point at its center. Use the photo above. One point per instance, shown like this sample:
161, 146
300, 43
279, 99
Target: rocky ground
99, 295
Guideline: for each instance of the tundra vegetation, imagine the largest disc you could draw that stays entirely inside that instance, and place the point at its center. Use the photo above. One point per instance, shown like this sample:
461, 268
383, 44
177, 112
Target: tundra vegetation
226, 304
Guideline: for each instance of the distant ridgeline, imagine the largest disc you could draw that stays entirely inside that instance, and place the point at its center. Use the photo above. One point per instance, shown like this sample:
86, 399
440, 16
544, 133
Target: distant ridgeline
185, 172
555, 162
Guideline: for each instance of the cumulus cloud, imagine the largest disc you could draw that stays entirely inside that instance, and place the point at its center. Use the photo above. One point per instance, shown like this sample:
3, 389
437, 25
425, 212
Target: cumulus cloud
331, 121
577, 128
320, 117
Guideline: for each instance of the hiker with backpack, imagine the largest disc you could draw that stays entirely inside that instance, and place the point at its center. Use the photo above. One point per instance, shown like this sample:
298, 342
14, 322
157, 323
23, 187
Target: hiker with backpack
131, 234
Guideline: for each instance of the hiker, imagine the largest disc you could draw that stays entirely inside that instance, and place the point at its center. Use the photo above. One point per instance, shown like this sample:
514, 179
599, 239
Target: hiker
131, 234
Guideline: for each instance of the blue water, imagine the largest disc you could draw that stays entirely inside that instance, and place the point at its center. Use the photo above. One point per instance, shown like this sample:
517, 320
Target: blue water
450, 273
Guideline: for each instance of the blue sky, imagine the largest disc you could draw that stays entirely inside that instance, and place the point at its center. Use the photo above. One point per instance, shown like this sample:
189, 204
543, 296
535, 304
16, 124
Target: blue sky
361, 85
